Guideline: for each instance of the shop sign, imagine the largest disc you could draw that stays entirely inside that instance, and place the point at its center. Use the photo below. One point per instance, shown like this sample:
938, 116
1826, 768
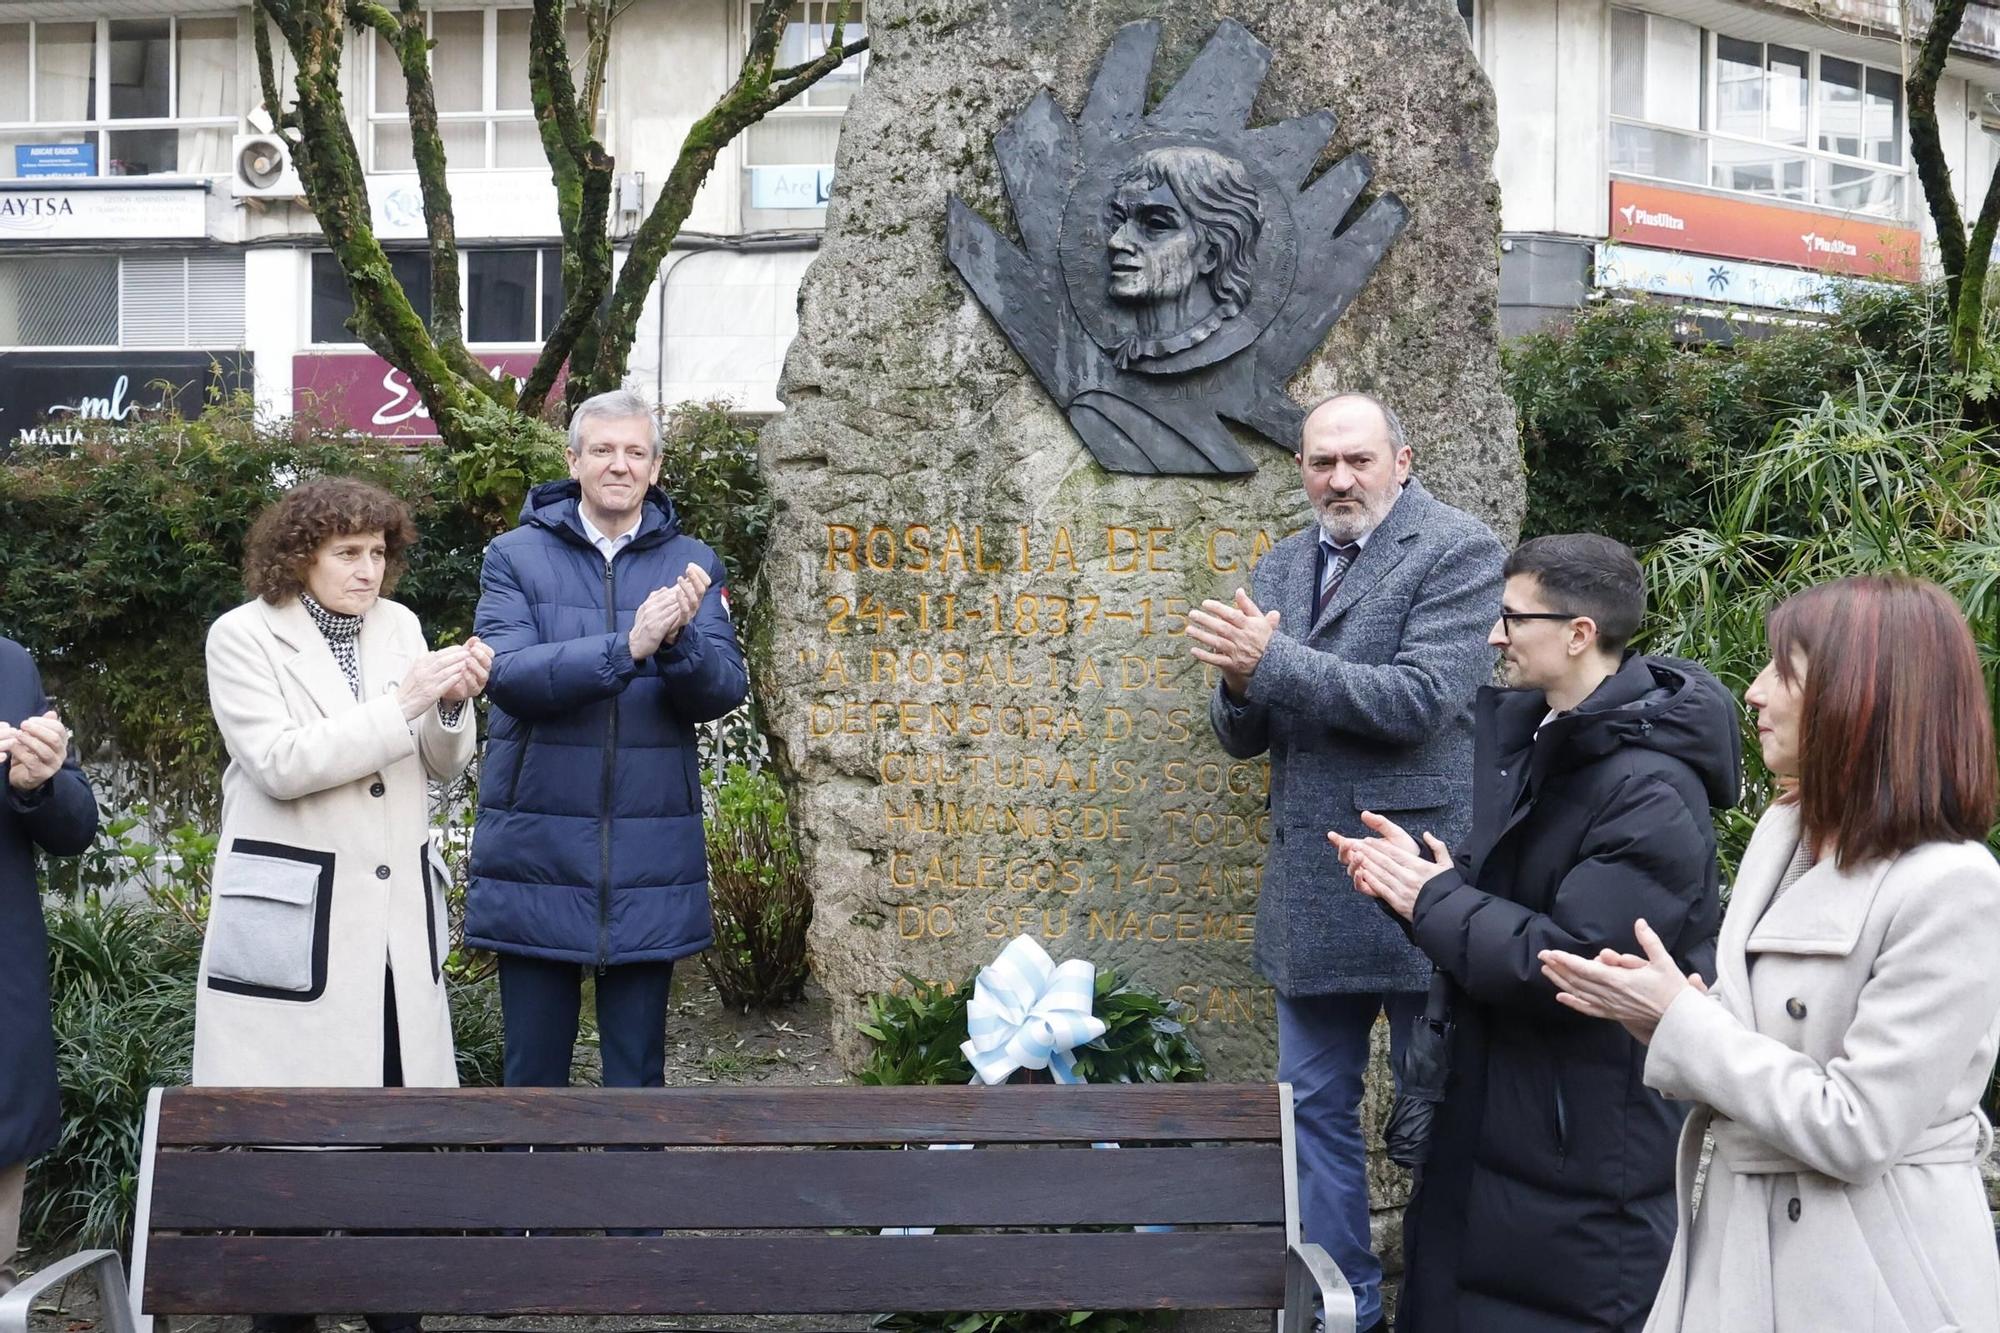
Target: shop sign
359, 391
42, 160
1855, 244
49, 212
484, 205
1705, 278
790, 187
51, 399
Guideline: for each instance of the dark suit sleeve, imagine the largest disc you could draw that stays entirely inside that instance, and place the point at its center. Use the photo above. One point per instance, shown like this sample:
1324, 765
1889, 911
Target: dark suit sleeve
60, 816
533, 679
704, 665
1439, 665
1644, 857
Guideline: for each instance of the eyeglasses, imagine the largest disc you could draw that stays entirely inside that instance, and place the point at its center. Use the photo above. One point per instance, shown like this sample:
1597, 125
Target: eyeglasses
1507, 618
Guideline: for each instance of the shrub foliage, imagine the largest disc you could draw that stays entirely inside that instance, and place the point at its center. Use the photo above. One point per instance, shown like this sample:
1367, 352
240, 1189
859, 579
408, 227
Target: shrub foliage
758, 888
1626, 424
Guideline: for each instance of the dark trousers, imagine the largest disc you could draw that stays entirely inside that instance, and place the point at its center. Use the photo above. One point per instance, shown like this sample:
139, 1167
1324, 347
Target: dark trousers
539, 1004
1323, 1053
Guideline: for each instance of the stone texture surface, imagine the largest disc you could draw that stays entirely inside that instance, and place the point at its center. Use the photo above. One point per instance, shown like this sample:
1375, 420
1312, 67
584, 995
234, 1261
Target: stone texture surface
958, 780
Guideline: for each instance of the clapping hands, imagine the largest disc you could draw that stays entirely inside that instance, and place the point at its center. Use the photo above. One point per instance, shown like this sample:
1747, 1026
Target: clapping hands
668, 611
35, 750
1390, 867
447, 675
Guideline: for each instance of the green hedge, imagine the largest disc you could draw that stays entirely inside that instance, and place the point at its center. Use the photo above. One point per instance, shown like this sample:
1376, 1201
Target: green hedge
115, 559
1626, 424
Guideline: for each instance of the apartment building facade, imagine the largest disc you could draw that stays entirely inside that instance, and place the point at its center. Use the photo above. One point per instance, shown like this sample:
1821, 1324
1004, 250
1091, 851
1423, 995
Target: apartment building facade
1734, 154
154, 242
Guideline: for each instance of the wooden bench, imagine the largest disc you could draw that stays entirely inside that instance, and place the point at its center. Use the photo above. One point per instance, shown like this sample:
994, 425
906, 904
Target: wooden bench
768, 1201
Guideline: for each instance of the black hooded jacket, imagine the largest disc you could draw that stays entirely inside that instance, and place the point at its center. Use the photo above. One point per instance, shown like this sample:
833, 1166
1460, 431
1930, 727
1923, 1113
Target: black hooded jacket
1547, 1203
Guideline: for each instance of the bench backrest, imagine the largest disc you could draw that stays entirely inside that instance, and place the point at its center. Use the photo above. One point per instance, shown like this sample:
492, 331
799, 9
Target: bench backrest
430, 1219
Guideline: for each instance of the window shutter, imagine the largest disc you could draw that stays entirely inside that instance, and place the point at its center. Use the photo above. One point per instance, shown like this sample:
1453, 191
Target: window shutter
215, 299
153, 306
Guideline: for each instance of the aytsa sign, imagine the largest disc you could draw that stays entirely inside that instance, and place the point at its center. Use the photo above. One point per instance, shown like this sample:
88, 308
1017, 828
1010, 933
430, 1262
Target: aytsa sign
46, 210
359, 391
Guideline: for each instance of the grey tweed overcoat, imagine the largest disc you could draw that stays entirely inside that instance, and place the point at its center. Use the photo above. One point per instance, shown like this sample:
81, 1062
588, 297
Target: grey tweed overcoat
1366, 708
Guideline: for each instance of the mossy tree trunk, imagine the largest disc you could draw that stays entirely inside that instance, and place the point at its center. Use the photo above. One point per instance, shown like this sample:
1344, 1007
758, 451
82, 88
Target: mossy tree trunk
594, 341
1965, 259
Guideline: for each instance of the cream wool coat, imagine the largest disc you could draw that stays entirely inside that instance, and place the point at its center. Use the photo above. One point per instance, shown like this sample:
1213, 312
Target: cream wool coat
1840, 1064
324, 871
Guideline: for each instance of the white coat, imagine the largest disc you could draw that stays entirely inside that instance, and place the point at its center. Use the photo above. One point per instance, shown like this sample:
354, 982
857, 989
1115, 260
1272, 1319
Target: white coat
1840, 1064
324, 875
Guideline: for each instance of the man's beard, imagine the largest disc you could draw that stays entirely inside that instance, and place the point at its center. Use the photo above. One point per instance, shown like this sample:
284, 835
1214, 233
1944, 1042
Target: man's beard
1351, 523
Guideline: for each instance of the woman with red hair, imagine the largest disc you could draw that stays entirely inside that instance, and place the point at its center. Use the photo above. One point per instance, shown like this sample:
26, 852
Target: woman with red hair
1840, 1059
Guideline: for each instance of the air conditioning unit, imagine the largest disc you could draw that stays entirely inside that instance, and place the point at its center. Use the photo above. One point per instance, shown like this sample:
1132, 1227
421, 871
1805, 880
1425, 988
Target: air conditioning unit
262, 168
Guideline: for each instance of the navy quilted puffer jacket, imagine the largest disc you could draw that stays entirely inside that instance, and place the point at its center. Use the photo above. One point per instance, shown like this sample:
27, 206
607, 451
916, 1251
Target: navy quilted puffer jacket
589, 843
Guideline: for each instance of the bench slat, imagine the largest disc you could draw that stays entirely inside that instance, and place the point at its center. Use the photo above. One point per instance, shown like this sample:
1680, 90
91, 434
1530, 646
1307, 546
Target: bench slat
707, 1190
728, 1274
417, 1117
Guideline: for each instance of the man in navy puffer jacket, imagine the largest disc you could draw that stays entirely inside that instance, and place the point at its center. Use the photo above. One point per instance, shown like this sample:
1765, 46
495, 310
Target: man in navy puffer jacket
611, 640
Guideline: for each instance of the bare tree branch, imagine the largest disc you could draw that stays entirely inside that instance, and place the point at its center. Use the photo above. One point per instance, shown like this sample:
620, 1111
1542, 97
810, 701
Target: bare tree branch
329, 166
582, 172
755, 93
1926, 142
819, 69
404, 33
267, 76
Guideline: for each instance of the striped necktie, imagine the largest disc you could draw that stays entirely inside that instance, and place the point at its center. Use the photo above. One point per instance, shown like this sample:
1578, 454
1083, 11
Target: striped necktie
1334, 560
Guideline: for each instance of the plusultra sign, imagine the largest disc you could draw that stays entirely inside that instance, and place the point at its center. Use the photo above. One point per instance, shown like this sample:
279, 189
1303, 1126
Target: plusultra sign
50, 399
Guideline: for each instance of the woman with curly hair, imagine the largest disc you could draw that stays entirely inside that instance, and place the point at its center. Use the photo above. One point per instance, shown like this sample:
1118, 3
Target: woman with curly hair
323, 961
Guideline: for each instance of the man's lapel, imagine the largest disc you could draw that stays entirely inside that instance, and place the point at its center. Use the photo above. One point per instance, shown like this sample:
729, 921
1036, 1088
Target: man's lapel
1384, 551
1300, 585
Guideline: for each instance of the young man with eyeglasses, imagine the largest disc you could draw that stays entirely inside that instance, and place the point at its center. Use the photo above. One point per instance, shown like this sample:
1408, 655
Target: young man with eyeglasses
1546, 1202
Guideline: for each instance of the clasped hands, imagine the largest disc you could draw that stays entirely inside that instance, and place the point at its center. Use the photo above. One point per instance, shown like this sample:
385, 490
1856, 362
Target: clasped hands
667, 611
34, 751
1232, 637
445, 676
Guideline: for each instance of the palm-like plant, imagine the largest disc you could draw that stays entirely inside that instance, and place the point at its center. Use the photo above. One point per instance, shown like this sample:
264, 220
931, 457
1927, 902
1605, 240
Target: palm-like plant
1884, 478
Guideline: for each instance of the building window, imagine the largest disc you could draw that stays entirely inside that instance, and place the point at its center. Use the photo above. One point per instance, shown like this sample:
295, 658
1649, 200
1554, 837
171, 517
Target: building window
511, 296
1756, 118
78, 301
479, 73
1469, 12
119, 97
790, 152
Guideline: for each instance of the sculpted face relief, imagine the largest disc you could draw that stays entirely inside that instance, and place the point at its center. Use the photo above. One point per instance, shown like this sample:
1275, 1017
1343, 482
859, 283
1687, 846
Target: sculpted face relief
1202, 259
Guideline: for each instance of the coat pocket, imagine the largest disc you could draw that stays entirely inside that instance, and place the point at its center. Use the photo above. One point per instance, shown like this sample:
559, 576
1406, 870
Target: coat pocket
1896, 1240
437, 881
267, 929
1403, 792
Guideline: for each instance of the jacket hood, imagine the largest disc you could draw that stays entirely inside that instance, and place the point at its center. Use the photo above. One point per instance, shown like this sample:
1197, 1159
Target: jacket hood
1659, 703
553, 505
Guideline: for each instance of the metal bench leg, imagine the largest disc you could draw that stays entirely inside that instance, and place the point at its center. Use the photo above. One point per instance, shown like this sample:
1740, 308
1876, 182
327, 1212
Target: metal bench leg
113, 1307
1309, 1272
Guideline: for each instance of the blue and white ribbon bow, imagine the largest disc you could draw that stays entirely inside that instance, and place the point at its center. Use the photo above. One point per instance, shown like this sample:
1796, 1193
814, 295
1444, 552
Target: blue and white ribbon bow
1028, 1013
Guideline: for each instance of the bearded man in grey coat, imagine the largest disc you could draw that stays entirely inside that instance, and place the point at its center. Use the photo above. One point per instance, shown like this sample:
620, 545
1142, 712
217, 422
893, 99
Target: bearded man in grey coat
1353, 661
